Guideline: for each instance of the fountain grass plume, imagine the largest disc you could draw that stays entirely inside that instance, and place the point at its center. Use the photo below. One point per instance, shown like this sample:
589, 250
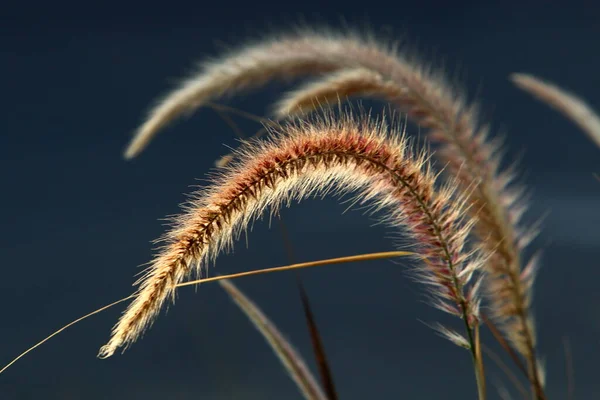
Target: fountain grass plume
329, 154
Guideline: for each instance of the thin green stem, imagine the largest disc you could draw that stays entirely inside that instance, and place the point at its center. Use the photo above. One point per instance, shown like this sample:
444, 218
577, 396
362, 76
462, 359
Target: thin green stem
477, 361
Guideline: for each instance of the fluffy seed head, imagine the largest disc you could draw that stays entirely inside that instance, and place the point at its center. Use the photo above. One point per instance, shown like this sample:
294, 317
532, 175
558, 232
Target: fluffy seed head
306, 158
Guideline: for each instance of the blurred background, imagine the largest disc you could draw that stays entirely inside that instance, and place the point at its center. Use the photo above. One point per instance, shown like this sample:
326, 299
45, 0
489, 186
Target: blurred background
77, 220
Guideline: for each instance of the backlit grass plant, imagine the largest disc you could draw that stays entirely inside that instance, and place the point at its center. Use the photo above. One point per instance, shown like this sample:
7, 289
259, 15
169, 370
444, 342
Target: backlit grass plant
461, 210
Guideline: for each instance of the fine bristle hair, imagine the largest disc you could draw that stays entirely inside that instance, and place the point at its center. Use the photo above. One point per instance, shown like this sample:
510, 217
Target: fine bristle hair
338, 155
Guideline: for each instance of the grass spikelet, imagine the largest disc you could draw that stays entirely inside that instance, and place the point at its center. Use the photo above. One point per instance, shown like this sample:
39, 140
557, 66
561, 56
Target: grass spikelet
303, 159
336, 85
571, 106
289, 357
317, 345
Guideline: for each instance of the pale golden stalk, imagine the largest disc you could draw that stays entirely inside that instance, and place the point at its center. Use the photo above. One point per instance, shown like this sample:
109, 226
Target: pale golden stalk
289, 357
301, 159
568, 104
309, 264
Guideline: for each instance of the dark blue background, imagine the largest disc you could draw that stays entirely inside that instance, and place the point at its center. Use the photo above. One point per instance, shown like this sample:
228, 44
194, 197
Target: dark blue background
77, 220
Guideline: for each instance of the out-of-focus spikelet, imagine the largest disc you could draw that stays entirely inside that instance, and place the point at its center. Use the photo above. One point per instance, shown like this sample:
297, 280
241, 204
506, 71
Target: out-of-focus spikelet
568, 104
289, 357
300, 159
336, 85
285, 57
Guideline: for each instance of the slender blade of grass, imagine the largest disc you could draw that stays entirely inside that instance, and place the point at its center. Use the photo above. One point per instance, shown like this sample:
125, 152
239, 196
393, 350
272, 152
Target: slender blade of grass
289, 357
41, 342
318, 348
507, 371
502, 341
569, 369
